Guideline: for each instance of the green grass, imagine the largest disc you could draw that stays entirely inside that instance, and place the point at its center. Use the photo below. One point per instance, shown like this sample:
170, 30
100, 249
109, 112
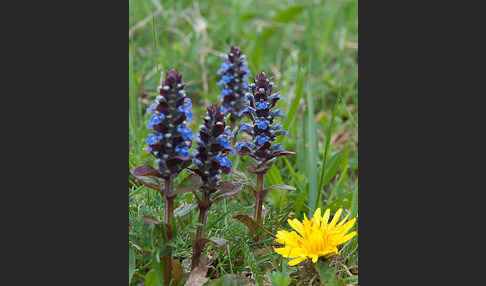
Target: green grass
310, 48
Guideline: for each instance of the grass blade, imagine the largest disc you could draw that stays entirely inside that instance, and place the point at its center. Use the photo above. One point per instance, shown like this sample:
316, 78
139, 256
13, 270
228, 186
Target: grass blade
131, 263
294, 103
311, 139
326, 150
273, 177
354, 202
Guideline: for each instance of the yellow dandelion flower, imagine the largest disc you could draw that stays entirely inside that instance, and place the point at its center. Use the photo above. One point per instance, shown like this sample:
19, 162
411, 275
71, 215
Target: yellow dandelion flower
314, 238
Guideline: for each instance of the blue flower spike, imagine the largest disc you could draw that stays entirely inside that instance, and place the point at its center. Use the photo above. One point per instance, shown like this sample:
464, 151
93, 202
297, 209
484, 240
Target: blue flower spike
234, 76
264, 129
171, 138
214, 145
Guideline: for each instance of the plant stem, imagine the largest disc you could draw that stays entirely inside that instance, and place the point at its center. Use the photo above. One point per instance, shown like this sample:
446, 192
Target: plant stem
259, 198
169, 210
233, 126
197, 245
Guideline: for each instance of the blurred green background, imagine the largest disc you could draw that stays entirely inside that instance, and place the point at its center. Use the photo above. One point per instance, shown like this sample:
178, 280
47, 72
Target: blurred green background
310, 48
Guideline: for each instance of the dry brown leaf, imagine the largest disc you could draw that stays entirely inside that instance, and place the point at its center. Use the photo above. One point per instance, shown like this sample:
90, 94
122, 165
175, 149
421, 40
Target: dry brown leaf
319, 116
340, 139
352, 45
150, 220
176, 270
197, 277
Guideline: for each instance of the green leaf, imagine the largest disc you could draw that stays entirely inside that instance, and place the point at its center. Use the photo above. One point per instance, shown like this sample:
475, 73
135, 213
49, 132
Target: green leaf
131, 263
333, 168
354, 201
327, 274
284, 16
350, 279
273, 176
327, 27
152, 278
250, 262
343, 202
247, 16
257, 54
326, 150
294, 103
299, 201
288, 14
343, 176
279, 279
158, 265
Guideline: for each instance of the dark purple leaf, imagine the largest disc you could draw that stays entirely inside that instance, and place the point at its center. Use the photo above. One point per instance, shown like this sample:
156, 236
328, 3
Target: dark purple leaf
145, 170
184, 190
248, 221
282, 153
226, 186
150, 182
260, 170
220, 196
146, 175
251, 224
191, 183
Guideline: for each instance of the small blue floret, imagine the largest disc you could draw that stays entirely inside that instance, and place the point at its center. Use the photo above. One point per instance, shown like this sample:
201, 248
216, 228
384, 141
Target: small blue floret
261, 139
279, 112
223, 161
278, 96
153, 139
245, 127
182, 151
197, 162
261, 105
247, 109
277, 147
244, 144
224, 67
262, 123
152, 107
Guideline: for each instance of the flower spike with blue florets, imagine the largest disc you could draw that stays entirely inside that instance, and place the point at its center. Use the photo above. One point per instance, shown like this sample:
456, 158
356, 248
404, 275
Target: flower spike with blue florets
169, 142
211, 163
214, 144
234, 76
170, 139
263, 131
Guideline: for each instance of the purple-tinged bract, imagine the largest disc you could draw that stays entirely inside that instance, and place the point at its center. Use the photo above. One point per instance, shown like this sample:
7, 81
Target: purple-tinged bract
170, 139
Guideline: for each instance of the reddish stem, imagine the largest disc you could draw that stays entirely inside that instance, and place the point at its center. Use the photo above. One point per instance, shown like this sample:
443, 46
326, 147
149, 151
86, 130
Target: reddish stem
169, 212
197, 245
259, 198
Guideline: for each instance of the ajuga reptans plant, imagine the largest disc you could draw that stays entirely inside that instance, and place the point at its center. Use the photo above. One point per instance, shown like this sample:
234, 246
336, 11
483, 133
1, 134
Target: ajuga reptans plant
169, 142
234, 76
263, 132
211, 162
